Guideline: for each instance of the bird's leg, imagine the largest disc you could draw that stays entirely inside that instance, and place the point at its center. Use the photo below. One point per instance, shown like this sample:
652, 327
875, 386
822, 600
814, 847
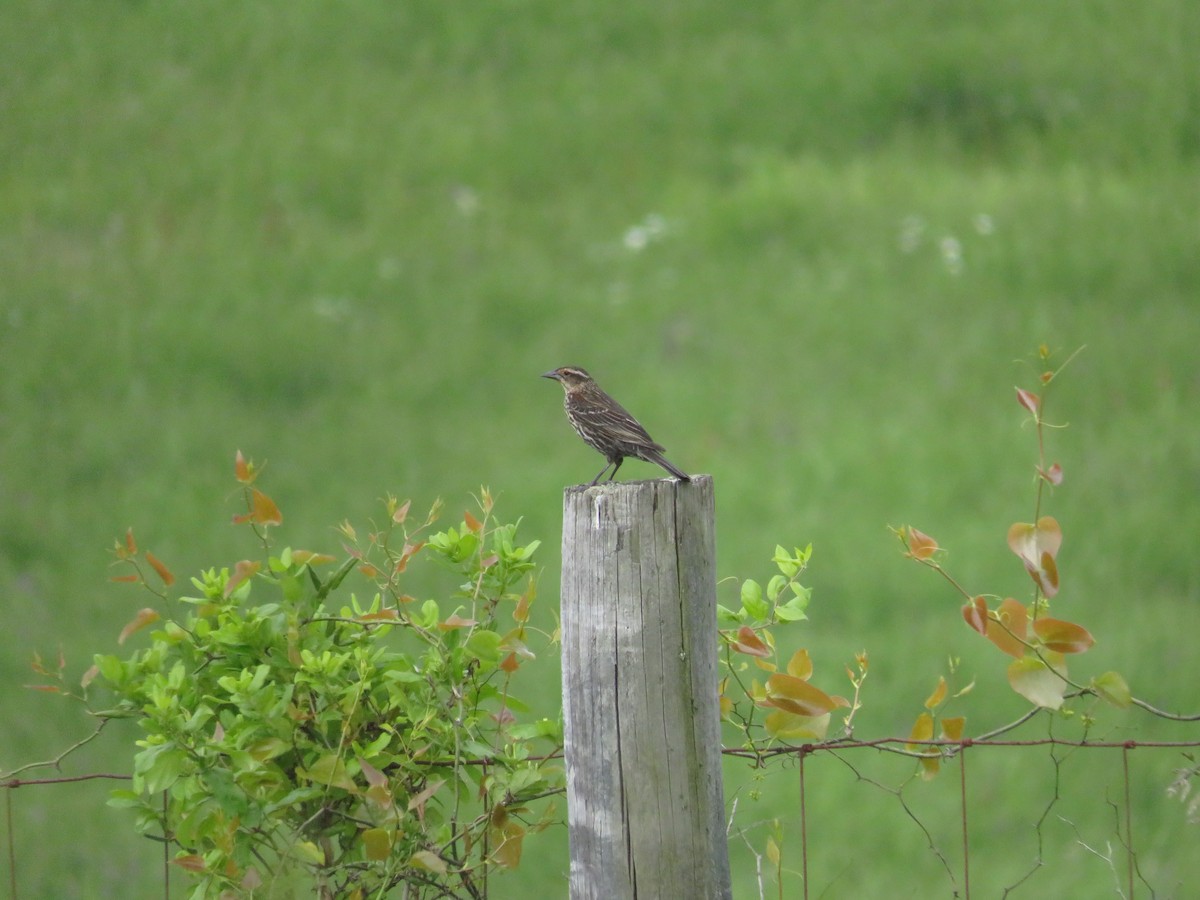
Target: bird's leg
596, 480
620, 459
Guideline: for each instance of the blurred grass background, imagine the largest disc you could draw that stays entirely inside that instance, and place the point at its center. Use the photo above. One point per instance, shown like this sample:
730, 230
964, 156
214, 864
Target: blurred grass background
804, 242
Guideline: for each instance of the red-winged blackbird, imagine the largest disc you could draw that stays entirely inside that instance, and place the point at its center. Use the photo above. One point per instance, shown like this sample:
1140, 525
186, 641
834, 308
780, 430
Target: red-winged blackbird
604, 424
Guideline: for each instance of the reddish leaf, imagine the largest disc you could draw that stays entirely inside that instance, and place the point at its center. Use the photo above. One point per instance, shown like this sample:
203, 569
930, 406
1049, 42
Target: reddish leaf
144, 617
308, 557
1028, 400
243, 570
190, 863
750, 643
1054, 474
125, 578
375, 778
920, 545
401, 512
130, 543
1006, 628
975, 614
472, 523
1063, 637
163, 572
89, 676
1037, 547
455, 621
383, 615
406, 554
418, 801
510, 663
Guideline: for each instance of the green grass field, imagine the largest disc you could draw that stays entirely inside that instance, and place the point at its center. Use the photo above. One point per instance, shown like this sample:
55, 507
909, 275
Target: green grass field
805, 243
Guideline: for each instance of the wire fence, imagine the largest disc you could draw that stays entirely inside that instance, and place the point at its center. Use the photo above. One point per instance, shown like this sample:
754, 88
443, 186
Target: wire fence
963, 825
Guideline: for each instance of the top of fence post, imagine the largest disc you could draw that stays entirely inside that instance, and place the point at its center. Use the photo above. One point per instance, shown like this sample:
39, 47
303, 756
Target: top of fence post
640, 691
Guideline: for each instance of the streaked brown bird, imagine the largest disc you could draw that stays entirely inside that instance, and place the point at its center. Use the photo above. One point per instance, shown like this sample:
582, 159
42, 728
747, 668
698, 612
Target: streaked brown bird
605, 425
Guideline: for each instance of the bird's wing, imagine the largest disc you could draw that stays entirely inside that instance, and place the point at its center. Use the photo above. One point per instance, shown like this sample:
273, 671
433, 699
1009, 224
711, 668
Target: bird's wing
620, 425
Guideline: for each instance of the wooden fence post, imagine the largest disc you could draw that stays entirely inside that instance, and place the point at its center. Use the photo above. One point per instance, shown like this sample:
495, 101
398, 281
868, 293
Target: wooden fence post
645, 806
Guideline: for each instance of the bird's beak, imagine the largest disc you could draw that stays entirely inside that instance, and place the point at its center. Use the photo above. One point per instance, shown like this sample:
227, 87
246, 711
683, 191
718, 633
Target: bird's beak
553, 373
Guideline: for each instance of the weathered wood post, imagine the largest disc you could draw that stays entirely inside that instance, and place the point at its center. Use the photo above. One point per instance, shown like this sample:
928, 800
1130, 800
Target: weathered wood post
643, 740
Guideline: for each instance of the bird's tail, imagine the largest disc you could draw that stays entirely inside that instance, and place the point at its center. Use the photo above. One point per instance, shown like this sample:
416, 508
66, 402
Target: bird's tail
661, 460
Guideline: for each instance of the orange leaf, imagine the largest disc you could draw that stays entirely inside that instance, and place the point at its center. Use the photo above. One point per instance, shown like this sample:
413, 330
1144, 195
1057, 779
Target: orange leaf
521, 612
797, 696
952, 728
1063, 637
934, 700
920, 545
1029, 542
750, 643
472, 523
1047, 575
130, 543
922, 730
510, 663
264, 509
1028, 400
975, 614
242, 470
1006, 628
1037, 547
243, 570
141, 620
401, 512
163, 572
124, 578
800, 665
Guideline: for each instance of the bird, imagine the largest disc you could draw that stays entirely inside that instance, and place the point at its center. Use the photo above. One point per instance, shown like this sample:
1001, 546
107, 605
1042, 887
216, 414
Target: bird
605, 425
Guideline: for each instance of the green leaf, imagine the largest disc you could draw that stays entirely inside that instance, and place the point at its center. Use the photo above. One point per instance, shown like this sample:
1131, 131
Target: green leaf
1037, 682
484, 646
330, 769
752, 599
159, 767
1112, 687
727, 618
774, 586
